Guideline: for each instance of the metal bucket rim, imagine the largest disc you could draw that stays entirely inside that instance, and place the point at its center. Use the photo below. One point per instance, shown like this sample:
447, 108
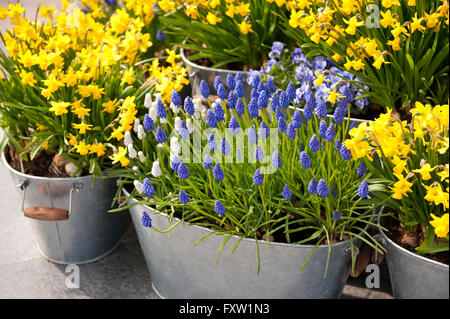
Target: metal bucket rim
407, 252
197, 66
56, 179
176, 219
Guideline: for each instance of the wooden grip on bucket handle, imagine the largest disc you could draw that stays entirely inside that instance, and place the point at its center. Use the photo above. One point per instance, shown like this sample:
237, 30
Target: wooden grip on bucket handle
47, 213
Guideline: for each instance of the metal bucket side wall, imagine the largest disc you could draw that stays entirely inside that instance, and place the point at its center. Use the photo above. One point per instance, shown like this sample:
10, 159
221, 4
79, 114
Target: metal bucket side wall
181, 270
413, 276
90, 232
197, 73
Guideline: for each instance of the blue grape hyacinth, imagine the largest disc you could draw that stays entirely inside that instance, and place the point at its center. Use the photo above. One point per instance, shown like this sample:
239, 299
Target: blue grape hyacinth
314, 143
146, 220
219, 208
218, 172
148, 188
286, 193
183, 171
312, 186
322, 188
204, 89
184, 198
305, 160
149, 125
363, 189
258, 178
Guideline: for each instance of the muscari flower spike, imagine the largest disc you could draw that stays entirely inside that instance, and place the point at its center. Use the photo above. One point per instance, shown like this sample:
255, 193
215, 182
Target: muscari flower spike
297, 119
204, 89
221, 91
262, 100
212, 144
291, 131
305, 160
323, 129
274, 102
161, 109
175, 162
217, 81
284, 100
234, 126
240, 89
337, 145
286, 192
312, 186
184, 198
218, 172
219, 112
263, 130
314, 143
290, 92
148, 188
232, 99
175, 98
276, 159
207, 162
253, 108
330, 135
160, 36
225, 146
345, 153
361, 170
270, 85
146, 220
322, 188
160, 136
282, 125
258, 178
321, 109
230, 81
363, 189
252, 135
336, 215
149, 125
183, 171
308, 112
240, 107
211, 118
259, 154
189, 106
219, 208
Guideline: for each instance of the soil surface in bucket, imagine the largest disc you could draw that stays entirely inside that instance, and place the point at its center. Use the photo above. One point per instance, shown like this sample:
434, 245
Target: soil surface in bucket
42, 165
399, 234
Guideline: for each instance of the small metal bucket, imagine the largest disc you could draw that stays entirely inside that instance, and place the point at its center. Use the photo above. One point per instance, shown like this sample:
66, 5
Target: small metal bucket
197, 73
70, 217
179, 269
414, 276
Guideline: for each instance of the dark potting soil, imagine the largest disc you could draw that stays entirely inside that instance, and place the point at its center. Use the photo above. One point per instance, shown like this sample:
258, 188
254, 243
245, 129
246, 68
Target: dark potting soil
41, 165
398, 234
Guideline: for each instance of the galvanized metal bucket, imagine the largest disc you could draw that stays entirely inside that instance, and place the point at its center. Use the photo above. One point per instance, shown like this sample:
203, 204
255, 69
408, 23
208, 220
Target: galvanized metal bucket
69, 216
414, 276
197, 73
179, 269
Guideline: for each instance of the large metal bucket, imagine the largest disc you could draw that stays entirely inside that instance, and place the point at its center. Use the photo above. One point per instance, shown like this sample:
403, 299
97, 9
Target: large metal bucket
179, 269
413, 276
70, 220
197, 73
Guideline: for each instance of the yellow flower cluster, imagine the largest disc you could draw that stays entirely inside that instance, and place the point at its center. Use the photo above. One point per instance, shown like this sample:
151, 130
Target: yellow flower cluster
343, 24
212, 11
168, 76
74, 62
416, 152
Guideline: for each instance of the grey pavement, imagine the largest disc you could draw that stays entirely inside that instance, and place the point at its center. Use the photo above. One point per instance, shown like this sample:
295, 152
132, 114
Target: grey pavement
24, 273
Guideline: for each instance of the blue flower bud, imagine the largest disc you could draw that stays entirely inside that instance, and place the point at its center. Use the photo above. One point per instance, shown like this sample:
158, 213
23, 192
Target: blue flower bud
258, 178
336, 215
219, 208
232, 99
189, 106
314, 143
262, 100
337, 145
218, 172
363, 189
312, 186
361, 170
217, 81
291, 131
284, 100
240, 92
282, 125
290, 92
183, 171
175, 162
146, 220
219, 112
286, 192
211, 118
305, 160
211, 142
207, 162
234, 126
230, 81
160, 136
345, 153
259, 154
160, 36
175, 98
252, 135
321, 109
221, 91
148, 188
331, 133
184, 198
297, 119
263, 130
204, 89
161, 109
274, 102
253, 108
276, 160
270, 85
149, 125
225, 146
322, 188
308, 112
323, 129
240, 107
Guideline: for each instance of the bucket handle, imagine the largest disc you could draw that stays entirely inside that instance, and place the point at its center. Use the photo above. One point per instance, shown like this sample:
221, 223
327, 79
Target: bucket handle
46, 213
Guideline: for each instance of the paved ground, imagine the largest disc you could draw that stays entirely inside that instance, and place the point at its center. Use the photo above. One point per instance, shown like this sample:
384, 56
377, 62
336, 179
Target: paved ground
24, 273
